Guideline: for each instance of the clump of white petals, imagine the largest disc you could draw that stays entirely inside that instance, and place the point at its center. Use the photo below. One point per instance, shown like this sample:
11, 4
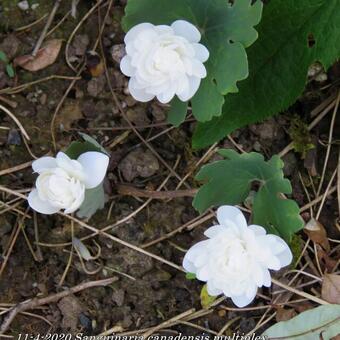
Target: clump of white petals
164, 61
235, 259
62, 181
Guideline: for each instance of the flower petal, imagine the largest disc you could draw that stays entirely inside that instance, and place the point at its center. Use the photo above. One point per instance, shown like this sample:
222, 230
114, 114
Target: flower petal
188, 265
167, 95
267, 280
43, 207
194, 84
44, 163
214, 231
203, 274
134, 31
201, 52
196, 250
94, 165
198, 69
186, 30
139, 94
227, 213
285, 256
241, 300
258, 230
212, 290
126, 67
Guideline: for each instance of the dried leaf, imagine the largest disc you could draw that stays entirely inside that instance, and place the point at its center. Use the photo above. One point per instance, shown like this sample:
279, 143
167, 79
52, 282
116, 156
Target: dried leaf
331, 288
317, 233
206, 299
284, 314
82, 249
69, 113
46, 56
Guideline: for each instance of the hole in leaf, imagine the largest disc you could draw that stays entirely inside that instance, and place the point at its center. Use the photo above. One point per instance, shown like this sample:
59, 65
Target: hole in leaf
311, 40
256, 185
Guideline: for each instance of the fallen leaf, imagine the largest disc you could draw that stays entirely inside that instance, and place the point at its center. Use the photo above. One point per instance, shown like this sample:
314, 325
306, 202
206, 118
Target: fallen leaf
325, 259
331, 288
70, 113
284, 314
303, 306
138, 163
317, 233
46, 56
206, 299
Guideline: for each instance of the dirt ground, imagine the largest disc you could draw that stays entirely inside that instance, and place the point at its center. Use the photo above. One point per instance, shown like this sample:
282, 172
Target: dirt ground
35, 250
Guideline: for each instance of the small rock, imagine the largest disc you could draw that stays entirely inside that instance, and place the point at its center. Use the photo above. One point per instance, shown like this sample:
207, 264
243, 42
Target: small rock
138, 163
5, 226
118, 297
96, 85
158, 112
290, 163
23, 5
79, 45
118, 52
138, 116
70, 308
85, 321
13, 137
10, 46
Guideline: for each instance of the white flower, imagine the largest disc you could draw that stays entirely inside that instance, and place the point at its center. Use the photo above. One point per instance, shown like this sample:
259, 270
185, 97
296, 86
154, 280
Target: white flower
236, 258
62, 181
164, 61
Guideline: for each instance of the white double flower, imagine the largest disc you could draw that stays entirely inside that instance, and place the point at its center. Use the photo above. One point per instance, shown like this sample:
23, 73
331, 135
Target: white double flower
164, 61
62, 181
235, 259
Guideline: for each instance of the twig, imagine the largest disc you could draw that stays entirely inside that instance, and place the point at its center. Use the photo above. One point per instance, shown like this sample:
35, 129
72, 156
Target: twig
34, 303
338, 182
290, 146
301, 293
329, 144
129, 190
101, 232
46, 27
167, 323
9, 102
15, 120
15, 168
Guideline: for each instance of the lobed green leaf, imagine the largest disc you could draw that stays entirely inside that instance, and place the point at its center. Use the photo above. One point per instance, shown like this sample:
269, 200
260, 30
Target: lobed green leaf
229, 182
226, 31
292, 35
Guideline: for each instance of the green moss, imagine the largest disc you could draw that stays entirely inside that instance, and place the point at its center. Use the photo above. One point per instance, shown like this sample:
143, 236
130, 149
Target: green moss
296, 248
299, 133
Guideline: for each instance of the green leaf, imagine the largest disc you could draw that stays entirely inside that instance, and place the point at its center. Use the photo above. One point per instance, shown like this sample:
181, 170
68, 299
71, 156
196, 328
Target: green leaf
190, 276
229, 182
226, 31
206, 299
91, 140
3, 57
77, 148
278, 62
322, 322
94, 200
177, 112
10, 70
